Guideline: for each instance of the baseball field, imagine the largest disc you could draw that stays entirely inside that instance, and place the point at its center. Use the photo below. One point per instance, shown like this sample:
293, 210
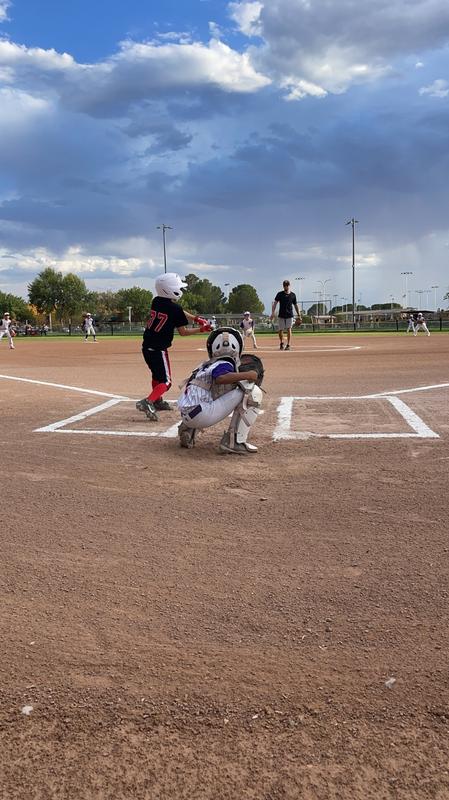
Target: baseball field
183, 625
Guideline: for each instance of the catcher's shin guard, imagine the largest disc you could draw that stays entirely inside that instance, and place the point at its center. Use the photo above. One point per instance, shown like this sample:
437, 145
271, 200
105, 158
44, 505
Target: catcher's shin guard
243, 418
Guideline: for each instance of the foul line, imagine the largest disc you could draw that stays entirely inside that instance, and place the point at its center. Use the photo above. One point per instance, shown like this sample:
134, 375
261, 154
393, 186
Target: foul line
63, 386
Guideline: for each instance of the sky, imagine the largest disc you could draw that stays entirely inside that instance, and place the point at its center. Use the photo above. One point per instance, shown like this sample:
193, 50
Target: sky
255, 129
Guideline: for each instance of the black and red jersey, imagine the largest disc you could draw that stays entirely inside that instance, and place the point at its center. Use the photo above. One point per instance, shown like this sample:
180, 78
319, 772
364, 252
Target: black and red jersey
165, 316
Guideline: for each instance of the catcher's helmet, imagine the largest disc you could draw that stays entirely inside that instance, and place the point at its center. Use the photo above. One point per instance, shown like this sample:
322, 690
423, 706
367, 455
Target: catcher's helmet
170, 285
225, 342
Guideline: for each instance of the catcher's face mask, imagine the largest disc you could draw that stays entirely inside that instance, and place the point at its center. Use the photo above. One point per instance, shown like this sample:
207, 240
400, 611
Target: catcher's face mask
225, 342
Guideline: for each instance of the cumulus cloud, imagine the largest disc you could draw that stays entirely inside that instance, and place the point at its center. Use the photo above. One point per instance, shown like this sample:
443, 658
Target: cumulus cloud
314, 43
4, 5
439, 88
137, 72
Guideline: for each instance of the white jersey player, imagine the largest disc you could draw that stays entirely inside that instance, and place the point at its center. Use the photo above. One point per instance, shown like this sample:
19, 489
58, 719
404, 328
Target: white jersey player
5, 329
88, 327
411, 324
247, 326
215, 390
421, 325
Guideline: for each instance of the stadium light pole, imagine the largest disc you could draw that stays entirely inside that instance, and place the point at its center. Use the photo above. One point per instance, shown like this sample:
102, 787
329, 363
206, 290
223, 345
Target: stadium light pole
435, 295
406, 274
318, 302
164, 228
300, 279
323, 284
353, 222
420, 292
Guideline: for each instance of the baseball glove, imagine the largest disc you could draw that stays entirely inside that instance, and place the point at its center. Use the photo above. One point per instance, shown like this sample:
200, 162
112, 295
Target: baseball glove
249, 361
298, 322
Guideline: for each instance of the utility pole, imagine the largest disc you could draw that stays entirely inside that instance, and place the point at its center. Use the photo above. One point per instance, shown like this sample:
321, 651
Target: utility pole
353, 222
164, 228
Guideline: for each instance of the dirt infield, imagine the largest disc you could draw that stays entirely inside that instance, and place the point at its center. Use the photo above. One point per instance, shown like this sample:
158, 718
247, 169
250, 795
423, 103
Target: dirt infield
191, 626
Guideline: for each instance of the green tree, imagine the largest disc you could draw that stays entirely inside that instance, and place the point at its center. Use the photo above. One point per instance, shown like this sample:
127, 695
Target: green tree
139, 300
45, 291
202, 297
73, 296
17, 307
244, 298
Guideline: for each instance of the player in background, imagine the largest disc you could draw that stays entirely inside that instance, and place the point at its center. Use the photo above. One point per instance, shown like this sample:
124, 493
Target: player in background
88, 328
421, 325
286, 300
411, 324
247, 326
5, 329
216, 389
166, 316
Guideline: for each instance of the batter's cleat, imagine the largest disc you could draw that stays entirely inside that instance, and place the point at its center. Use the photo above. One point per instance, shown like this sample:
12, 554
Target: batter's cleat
287, 347
281, 346
147, 408
242, 449
162, 405
186, 436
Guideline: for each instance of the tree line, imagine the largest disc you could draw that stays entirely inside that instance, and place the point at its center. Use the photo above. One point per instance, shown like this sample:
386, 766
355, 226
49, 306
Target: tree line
66, 297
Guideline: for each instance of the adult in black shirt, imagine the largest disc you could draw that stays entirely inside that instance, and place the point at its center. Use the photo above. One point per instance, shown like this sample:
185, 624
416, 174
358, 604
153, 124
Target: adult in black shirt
287, 300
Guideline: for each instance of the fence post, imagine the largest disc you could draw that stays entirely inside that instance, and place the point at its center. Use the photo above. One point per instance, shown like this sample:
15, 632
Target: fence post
112, 328
441, 323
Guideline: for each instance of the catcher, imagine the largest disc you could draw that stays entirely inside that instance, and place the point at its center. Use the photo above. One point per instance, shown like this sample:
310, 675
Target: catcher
227, 382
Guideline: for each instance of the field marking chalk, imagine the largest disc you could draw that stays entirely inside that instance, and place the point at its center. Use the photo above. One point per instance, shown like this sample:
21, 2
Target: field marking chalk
283, 429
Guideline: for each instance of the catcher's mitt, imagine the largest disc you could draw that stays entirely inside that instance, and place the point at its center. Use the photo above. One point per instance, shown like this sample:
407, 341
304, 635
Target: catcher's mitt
249, 361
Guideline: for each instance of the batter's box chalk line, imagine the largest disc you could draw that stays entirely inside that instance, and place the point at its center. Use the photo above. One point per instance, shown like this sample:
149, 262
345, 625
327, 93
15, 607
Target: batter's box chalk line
283, 430
419, 429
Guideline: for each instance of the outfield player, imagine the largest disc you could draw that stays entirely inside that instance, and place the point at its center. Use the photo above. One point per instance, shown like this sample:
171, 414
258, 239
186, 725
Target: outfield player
411, 324
247, 326
421, 325
88, 328
5, 329
216, 389
166, 316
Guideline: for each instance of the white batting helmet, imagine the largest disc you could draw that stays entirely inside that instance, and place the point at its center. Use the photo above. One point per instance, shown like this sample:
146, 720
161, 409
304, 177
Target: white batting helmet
225, 342
170, 285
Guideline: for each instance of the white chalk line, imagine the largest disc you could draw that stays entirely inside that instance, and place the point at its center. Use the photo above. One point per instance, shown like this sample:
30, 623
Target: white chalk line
64, 386
285, 409
283, 429
302, 350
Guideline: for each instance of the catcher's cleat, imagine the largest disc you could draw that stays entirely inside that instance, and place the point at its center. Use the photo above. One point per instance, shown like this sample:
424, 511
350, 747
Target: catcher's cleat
186, 436
162, 405
242, 449
147, 408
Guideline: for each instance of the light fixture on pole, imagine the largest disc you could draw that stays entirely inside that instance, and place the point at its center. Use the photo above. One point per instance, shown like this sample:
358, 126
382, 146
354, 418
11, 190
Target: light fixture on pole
164, 228
323, 284
435, 295
300, 279
353, 222
318, 303
406, 274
